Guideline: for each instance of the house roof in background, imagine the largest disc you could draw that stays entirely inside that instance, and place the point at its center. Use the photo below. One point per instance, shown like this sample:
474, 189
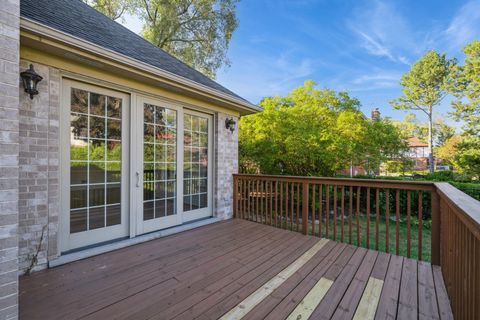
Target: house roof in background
78, 19
415, 142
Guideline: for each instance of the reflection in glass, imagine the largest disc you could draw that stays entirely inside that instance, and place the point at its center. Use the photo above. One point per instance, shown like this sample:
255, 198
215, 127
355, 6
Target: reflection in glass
78, 197
78, 220
114, 107
79, 101
159, 159
114, 215
96, 218
195, 170
97, 104
96, 194
96, 172
95, 162
78, 172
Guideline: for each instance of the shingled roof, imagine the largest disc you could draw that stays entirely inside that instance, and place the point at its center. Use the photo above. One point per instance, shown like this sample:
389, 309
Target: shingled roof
76, 18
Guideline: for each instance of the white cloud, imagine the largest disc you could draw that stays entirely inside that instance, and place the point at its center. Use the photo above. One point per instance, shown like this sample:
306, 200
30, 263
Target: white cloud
256, 75
383, 31
464, 27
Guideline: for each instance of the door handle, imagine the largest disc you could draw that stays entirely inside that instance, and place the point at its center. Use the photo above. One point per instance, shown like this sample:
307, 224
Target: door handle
137, 174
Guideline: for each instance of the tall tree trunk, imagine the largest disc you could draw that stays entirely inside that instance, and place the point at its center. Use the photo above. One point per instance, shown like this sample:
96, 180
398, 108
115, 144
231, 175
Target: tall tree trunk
431, 165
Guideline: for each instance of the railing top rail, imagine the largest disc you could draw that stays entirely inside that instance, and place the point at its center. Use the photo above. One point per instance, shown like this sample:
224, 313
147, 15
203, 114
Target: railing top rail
392, 184
465, 206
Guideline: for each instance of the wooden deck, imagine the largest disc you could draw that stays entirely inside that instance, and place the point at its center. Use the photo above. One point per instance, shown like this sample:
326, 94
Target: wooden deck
237, 269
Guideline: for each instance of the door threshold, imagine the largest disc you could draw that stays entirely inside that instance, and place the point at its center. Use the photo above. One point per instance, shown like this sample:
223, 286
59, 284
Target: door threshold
103, 248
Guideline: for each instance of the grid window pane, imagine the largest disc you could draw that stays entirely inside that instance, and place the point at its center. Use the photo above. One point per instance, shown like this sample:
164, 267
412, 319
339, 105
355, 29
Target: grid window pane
159, 158
95, 167
195, 169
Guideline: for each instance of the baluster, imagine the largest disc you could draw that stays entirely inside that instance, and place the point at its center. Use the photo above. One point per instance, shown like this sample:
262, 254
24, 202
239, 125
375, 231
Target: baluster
420, 224
327, 213
342, 205
397, 235
358, 216
335, 213
291, 205
368, 218
320, 210
409, 213
350, 213
387, 219
313, 210
377, 213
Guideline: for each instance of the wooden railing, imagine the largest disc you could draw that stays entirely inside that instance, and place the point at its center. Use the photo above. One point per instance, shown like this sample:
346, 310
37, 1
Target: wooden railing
460, 250
426, 221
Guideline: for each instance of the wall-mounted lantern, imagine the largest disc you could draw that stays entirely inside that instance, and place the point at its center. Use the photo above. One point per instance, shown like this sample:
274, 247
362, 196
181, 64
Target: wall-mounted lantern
30, 80
230, 124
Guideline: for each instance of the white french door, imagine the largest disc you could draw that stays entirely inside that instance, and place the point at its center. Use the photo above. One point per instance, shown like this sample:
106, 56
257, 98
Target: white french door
171, 167
129, 170
94, 135
197, 165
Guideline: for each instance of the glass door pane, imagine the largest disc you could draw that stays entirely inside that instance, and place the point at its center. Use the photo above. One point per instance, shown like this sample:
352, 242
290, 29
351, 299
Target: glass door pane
195, 159
95, 161
159, 162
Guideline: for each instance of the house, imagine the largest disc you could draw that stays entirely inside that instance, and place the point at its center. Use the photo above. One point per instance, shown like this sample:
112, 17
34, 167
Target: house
418, 152
122, 139
120, 143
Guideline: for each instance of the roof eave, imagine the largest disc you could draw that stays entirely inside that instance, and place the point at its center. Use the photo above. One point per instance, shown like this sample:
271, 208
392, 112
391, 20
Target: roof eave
42, 30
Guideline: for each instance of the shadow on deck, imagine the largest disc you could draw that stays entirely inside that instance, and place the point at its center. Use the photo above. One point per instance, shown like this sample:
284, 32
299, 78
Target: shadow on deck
237, 269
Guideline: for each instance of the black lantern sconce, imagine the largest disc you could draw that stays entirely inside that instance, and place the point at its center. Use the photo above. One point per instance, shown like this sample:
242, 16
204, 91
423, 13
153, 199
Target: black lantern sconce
30, 80
230, 124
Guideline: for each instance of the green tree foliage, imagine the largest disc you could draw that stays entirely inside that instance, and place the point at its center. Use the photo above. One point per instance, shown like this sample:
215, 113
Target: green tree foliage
114, 9
198, 32
410, 126
424, 86
466, 107
313, 132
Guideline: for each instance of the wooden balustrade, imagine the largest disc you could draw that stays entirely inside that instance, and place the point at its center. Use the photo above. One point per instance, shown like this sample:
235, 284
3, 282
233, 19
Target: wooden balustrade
391, 216
460, 250
428, 221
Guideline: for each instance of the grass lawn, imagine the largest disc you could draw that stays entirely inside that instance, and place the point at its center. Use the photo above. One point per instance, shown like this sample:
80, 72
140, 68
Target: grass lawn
403, 230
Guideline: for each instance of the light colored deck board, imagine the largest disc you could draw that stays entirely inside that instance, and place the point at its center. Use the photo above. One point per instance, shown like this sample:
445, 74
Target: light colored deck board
255, 298
306, 307
368, 303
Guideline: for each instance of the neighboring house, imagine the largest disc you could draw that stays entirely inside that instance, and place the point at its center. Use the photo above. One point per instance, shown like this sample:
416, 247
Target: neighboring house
418, 152
121, 140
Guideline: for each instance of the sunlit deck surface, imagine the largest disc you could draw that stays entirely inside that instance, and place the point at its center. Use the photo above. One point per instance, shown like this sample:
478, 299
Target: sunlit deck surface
237, 269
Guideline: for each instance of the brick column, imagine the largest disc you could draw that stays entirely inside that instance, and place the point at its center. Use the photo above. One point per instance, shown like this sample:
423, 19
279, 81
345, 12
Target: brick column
9, 151
226, 152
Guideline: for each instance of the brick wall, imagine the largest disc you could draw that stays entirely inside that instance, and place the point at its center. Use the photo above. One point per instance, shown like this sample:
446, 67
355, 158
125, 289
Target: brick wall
226, 152
39, 170
9, 148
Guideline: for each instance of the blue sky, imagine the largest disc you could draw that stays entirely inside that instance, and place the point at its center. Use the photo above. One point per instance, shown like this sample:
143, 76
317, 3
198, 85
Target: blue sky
360, 46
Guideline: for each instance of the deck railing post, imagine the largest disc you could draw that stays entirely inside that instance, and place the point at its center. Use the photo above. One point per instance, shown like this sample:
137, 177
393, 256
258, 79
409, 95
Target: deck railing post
435, 234
305, 207
235, 196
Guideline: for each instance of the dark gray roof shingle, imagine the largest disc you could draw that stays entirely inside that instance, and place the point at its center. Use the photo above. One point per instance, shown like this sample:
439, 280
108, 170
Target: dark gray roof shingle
80, 20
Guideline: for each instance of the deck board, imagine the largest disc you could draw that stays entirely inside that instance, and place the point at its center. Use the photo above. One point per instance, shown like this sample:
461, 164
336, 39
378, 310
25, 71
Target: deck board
204, 273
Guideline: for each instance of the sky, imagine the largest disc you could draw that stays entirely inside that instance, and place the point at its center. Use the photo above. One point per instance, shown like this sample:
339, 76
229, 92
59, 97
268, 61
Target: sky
362, 47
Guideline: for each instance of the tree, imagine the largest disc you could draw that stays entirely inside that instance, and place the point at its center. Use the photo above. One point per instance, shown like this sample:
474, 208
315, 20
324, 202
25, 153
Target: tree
196, 32
466, 107
114, 9
313, 132
466, 88
424, 86
448, 150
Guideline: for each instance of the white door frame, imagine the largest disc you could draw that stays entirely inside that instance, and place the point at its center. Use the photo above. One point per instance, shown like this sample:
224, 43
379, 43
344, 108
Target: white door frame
137, 168
208, 211
91, 237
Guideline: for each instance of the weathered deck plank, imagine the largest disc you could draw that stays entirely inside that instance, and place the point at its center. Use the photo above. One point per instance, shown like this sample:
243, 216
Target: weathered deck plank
206, 272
